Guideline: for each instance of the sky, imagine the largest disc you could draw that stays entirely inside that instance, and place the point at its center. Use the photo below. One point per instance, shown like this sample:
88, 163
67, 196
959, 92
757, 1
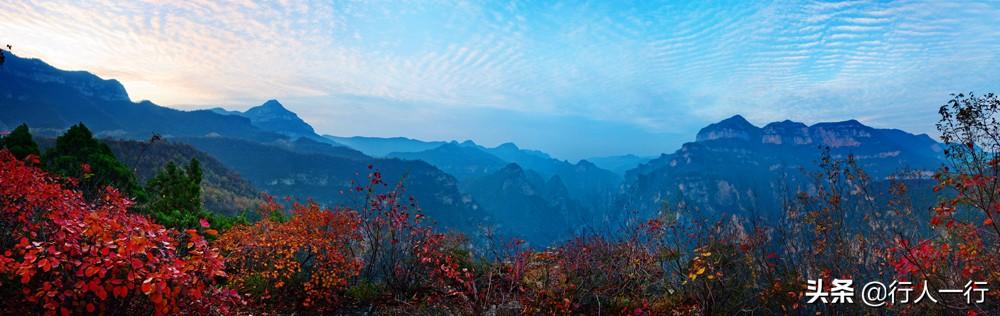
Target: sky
573, 78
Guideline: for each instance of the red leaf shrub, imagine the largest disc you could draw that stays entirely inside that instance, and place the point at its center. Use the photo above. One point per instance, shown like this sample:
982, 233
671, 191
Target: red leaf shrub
302, 264
64, 255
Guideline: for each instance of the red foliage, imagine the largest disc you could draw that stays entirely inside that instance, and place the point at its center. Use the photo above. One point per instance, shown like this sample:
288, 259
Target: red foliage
304, 263
71, 257
413, 260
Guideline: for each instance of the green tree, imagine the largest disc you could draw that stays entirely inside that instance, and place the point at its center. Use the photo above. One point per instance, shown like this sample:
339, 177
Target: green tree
176, 189
175, 198
20, 143
79, 155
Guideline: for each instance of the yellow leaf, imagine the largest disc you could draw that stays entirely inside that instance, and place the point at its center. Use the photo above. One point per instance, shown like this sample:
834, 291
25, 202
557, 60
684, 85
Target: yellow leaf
701, 270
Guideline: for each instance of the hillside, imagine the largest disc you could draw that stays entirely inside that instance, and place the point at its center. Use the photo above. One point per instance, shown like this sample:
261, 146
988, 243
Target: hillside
330, 180
223, 190
519, 200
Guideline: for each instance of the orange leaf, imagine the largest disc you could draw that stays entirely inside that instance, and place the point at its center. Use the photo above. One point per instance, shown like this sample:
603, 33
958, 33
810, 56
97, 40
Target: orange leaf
935, 220
147, 287
988, 221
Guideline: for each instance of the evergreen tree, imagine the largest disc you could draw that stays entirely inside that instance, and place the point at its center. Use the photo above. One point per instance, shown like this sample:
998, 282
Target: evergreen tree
194, 182
20, 143
78, 155
175, 198
176, 189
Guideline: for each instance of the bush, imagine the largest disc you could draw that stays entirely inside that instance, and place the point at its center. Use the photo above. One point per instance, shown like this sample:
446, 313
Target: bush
64, 255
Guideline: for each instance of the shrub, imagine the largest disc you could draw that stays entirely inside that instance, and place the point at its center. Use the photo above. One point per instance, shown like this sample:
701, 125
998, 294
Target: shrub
64, 255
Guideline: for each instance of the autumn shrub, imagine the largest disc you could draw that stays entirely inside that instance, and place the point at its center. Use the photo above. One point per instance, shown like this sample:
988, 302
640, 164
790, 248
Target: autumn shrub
64, 255
303, 263
965, 244
403, 254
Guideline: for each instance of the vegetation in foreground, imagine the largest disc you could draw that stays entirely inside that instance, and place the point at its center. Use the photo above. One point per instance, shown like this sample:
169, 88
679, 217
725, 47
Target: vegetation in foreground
80, 236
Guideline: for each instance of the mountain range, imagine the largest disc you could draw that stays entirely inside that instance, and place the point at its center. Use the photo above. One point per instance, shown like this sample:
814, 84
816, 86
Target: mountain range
734, 166
731, 167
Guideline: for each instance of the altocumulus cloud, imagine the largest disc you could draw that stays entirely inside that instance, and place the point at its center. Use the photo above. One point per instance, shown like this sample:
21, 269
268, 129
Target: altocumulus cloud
626, 77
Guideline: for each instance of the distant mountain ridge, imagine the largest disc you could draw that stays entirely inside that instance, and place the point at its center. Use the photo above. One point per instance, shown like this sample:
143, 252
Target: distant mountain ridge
274, 117
734, 166
573, 191
329, 179
465, 162
520, 200
383, 146
619, 164
50, 100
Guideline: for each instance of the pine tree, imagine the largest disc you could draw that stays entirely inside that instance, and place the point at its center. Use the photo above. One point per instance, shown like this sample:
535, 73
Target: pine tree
20, 143
176, 189
79, 155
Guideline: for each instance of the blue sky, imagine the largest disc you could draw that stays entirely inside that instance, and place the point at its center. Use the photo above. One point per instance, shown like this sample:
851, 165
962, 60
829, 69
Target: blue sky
574, 79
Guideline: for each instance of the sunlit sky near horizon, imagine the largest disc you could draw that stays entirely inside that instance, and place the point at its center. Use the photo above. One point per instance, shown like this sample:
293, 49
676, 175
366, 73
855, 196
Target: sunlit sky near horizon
575, 79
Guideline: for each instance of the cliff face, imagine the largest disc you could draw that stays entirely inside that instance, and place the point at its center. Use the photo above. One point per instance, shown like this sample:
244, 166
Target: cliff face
736, 167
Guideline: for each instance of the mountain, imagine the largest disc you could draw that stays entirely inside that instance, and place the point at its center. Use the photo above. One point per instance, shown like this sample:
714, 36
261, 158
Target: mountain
268, 145
381, 147
736, 167
50, 100
519, 201
590, 186
735, 127
462, 161
619, 164
310, 146
274, 117
330, 179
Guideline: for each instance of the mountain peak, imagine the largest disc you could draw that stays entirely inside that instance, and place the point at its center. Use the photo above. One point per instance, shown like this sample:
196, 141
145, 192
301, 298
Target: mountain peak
275, 117
851, 123
272, 103
468, 143
786, 132
785, 124
508, 146
733, 127
736, 119
271, 106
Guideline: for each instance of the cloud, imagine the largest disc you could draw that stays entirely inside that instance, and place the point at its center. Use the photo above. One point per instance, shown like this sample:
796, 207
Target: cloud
662, 68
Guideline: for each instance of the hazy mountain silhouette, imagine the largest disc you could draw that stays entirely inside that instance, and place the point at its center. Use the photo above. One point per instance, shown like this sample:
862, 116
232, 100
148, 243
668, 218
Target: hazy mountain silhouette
383, 146
736, 167
619, 164
50, 100
520, 201
330, 179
